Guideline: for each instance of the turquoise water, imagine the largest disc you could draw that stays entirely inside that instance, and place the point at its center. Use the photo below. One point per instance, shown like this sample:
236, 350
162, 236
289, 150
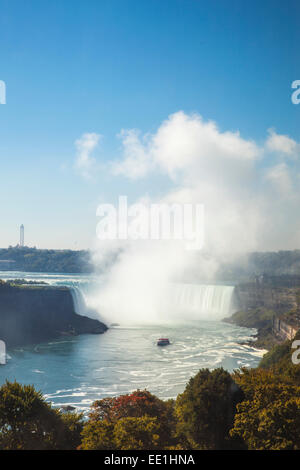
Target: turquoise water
79, 370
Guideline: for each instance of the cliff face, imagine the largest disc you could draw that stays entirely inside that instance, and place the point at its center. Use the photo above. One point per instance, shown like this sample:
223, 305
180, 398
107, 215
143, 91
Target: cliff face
31, 315
284, 330
279, 299
270, 304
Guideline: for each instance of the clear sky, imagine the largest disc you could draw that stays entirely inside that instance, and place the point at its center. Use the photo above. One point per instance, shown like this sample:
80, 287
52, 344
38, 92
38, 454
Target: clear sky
73, 67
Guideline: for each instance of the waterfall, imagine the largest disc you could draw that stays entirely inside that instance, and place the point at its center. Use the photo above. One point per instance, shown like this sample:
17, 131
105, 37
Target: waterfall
82, 304
202, 301
176, 301
79, 302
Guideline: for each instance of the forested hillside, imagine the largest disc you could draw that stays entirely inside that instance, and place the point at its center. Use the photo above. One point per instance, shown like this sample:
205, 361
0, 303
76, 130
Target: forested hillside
52, 261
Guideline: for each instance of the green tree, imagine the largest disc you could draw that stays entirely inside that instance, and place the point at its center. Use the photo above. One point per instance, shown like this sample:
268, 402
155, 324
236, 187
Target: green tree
98, 435
205, 410
270, 418
124, 434
71, 428
138, 433
28, 422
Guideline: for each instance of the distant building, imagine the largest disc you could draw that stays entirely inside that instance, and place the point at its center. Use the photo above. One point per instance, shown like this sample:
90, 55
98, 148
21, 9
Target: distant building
22, 235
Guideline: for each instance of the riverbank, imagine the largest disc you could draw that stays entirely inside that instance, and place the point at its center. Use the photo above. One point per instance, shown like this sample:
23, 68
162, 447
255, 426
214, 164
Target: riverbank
262, 322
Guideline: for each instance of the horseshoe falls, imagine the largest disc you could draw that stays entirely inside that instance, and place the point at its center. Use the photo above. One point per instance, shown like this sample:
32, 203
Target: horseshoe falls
206, 302
180, 300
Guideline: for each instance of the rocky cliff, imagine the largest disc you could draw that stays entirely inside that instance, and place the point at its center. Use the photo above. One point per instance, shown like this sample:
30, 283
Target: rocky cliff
284, 328
269, 304
33, 314
275, 297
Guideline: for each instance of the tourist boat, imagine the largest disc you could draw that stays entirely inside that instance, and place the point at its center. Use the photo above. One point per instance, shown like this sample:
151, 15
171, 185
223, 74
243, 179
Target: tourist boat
163, 342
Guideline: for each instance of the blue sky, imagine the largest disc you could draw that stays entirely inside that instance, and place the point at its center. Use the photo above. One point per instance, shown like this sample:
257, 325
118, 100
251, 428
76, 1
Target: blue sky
99, 66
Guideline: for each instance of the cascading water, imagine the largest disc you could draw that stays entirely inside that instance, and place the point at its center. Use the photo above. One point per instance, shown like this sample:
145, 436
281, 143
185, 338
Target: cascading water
211, 302
81, 304
176, 302
79, 301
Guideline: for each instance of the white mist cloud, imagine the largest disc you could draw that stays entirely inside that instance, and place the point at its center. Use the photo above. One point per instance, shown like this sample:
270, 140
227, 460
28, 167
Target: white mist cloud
85, 163
183, 143
279, 176
187, 143
137, 160
249, 203
282, 144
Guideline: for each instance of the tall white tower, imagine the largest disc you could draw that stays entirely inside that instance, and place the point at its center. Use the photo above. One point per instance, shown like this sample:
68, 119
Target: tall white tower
22, 235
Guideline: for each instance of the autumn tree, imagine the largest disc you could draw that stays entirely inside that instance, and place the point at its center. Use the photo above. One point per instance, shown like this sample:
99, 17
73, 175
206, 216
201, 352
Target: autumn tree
136, 404
141, 412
